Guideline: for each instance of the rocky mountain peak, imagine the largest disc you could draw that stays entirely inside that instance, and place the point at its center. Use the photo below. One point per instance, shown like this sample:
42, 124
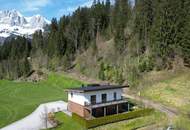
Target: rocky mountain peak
13, 22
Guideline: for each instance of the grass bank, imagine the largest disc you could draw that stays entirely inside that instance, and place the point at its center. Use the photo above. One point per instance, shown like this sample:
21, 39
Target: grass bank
171, 89
174, 90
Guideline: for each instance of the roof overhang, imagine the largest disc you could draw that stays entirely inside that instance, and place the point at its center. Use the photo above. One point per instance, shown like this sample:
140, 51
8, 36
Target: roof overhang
95, 88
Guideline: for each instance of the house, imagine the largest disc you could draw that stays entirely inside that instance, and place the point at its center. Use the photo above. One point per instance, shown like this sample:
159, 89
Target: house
97, 100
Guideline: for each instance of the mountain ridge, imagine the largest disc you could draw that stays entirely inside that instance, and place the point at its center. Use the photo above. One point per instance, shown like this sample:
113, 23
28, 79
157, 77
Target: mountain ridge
13, 22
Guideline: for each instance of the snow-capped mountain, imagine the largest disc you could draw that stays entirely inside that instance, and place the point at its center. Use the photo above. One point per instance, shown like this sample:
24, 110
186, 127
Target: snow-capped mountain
13, 22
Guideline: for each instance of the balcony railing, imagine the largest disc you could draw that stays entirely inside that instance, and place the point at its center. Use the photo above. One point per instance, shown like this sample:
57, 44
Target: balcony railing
107, 103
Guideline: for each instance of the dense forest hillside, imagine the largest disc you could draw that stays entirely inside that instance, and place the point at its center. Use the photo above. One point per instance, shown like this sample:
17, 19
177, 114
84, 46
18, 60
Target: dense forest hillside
117, 42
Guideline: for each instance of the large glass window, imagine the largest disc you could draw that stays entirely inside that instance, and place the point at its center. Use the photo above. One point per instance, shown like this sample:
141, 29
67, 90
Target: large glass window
93, 99
104, 98
115, 96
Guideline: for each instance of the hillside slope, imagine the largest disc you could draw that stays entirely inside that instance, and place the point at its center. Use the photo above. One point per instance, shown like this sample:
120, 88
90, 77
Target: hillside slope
171, 88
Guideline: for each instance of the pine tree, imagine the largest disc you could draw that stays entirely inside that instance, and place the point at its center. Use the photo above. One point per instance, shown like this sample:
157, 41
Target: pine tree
185, 31
144, 18
101, 72
121, 16
166, 31
53, 38
37, 42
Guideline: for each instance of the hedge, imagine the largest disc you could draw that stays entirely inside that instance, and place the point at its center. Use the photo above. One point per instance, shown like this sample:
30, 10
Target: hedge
111, 118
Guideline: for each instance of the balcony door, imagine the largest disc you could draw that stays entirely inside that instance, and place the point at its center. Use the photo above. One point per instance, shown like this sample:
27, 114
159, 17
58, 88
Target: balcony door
104, 98
93, 99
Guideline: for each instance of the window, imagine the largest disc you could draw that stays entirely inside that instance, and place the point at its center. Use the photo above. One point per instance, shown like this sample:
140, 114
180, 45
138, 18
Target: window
71, 95
104, 98
115, 96
93, 99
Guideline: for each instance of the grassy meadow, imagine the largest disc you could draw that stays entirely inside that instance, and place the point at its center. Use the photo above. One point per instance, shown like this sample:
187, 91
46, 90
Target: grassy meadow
172, 89
18, 99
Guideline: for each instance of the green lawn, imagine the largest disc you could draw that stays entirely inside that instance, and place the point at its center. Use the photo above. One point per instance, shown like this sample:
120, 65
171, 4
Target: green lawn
67, 123
18, 99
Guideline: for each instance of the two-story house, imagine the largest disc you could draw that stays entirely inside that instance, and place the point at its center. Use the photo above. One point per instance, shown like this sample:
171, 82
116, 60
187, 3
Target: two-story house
97, 100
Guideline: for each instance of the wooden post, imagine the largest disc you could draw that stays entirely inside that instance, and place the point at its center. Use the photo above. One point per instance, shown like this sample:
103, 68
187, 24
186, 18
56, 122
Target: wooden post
90, 112
128, 106
117, 109
104, 111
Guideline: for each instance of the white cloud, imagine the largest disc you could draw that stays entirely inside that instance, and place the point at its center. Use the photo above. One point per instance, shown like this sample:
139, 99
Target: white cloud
87, 4
69, 10
66, 10
34, 5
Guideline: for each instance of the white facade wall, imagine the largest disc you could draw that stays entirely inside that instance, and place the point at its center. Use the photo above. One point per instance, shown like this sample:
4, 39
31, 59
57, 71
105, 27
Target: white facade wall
81, 98
78, 98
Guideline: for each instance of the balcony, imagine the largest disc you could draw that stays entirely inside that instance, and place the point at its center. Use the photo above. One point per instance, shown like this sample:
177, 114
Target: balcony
107, 103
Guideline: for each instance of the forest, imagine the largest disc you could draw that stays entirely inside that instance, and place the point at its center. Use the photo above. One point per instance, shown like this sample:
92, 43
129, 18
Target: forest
111, 41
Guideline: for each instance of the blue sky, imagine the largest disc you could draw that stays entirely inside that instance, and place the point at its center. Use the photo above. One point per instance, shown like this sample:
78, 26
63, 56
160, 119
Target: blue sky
47, 8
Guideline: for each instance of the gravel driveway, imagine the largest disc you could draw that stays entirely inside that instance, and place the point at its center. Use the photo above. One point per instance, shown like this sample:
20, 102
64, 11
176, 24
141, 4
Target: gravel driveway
37, 119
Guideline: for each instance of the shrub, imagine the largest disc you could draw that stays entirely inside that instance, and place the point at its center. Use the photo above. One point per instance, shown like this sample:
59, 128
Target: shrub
133, 75
146, 64
112, 118
101, 72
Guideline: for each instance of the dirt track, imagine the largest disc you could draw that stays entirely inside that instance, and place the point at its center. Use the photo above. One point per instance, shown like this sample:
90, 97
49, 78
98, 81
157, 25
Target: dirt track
170, 112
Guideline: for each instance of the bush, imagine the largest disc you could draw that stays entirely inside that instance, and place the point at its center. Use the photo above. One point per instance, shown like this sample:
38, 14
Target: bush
112, 118
133, 75
101, 74
146, 64
111, 73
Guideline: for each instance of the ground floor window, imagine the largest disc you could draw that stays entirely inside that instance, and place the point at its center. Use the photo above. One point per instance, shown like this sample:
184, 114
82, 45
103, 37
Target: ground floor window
93, 99
98, 112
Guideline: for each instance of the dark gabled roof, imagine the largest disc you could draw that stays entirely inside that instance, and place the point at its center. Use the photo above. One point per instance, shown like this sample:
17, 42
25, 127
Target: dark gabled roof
95, 87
